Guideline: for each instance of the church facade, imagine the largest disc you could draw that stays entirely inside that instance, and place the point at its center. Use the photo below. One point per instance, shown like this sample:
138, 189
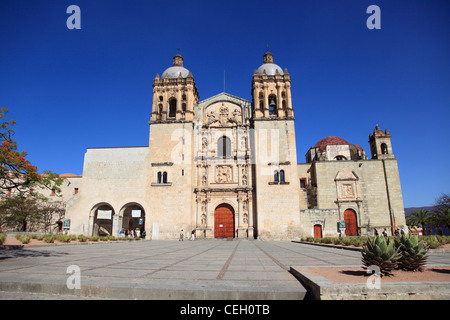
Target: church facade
227, 167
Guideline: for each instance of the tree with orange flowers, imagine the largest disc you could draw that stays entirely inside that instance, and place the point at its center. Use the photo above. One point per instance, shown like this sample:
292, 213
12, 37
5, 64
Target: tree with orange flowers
17, 174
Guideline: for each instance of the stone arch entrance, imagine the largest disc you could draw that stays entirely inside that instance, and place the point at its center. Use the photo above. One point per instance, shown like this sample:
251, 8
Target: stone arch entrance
351, 226
133, 217
103, 216
224, 221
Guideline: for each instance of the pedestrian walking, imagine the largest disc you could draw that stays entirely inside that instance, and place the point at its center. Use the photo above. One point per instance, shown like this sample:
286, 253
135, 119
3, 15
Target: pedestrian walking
181, 235
193, 235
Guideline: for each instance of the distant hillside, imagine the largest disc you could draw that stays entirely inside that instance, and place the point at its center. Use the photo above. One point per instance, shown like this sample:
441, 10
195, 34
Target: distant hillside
408, 211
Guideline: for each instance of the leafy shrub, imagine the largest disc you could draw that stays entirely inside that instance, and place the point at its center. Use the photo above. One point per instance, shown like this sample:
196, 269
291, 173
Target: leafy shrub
82, 238
326, 240
18, 236
33, 236
63, 238
356, 241
337, 241
49, 238
2, 238
25, 240
346, 241
94, 238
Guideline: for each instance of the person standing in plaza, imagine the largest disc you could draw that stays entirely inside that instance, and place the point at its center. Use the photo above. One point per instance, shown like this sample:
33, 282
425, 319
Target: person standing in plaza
181, 235
193, 235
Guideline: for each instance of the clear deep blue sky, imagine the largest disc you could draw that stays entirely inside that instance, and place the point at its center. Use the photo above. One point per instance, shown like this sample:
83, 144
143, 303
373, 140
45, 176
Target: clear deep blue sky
70, 90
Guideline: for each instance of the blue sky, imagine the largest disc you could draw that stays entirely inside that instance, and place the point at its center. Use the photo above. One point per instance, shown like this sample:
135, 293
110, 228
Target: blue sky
70, 90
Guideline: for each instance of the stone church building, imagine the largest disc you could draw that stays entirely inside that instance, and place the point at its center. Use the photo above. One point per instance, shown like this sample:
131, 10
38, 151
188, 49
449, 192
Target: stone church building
227, 167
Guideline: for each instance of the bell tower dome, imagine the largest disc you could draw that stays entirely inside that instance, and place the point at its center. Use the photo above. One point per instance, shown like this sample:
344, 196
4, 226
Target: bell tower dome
174, 94
271, 90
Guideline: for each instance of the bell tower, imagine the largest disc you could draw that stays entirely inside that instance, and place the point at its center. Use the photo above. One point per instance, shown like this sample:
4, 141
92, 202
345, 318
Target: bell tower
174, 94
170, 168
271, 90
380, 144
275, 153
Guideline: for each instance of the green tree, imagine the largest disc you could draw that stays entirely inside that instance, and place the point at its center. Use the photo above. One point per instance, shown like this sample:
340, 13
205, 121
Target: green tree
420, 217
19, 213
441, 213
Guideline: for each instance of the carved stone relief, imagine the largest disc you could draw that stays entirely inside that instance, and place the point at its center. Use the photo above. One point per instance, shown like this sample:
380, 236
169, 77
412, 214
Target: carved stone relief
224, 174
224, 116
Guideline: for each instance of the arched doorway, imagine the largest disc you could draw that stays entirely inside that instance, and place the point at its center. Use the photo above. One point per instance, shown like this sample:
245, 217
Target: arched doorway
317, 231
351, 226
103, 220
224, 221
133, 217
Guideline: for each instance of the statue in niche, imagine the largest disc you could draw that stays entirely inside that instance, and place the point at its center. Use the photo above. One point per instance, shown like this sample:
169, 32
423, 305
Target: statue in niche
244, 180
204, 181
245, 218
204, 143
203, 220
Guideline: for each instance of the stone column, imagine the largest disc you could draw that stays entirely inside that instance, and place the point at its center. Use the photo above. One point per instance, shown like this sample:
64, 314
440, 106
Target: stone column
280, 112
266, 101
250, 217
178, 112
289, 111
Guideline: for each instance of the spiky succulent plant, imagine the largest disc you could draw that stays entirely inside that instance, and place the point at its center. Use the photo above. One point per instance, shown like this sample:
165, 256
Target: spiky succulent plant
413, 253
381, 253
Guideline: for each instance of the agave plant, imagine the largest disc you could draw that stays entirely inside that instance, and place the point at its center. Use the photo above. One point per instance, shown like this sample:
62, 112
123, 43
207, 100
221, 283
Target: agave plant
413, 252
381, 253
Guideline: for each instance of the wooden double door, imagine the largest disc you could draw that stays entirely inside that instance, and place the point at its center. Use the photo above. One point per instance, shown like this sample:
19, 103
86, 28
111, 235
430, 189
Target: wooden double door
351, 226
224, 221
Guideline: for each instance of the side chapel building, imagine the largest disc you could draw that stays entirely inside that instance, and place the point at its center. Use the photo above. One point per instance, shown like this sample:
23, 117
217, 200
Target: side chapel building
227, 167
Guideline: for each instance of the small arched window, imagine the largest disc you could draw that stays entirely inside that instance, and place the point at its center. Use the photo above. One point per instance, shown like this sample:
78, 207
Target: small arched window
276, 177
340, 158
165, 177
273, 104
159, 177
224, 147
172, 108
384, 148
282, 176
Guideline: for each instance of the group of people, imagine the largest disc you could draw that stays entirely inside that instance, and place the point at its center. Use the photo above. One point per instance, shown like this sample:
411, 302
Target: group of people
182, 235
134, 233
397, 232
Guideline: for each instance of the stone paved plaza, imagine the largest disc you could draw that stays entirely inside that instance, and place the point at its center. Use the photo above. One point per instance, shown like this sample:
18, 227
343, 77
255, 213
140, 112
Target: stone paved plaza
192, 270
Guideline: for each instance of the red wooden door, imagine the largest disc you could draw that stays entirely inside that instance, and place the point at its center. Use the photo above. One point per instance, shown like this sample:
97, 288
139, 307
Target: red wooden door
351, 228
224, 221
317, 231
